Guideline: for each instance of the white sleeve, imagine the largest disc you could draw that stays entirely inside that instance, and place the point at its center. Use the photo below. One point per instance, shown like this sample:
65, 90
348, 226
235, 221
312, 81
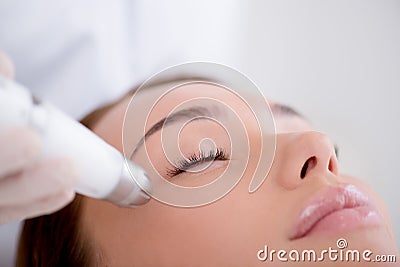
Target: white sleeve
71, 53
81, 54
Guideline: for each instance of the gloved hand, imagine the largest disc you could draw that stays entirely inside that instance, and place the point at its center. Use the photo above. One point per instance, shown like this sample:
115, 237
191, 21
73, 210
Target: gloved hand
30, 187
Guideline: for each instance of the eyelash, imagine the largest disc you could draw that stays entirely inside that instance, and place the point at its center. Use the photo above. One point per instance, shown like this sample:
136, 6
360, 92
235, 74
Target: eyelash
196, 159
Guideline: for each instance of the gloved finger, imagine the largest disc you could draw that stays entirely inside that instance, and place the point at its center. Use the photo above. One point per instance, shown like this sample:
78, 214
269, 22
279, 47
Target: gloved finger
44, 206
37, 181
19, 148
6, 66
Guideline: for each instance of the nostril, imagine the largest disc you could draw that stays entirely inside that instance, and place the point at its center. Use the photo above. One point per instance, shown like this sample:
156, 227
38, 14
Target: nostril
332, 166
309, 164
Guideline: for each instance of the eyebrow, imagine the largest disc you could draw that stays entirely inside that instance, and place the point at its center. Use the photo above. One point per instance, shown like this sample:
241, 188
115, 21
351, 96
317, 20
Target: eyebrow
279, 109
193, 114
199, 113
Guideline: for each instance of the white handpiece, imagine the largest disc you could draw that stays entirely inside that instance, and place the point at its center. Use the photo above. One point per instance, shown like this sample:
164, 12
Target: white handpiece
103, 171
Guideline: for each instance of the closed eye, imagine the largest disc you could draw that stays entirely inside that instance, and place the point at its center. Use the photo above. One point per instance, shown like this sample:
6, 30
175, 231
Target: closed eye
195, 160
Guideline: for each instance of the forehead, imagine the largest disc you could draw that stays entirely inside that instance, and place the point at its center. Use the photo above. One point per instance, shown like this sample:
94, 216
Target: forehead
167, 98
133, 110
151, 106
163, 101
170, 97
197, 101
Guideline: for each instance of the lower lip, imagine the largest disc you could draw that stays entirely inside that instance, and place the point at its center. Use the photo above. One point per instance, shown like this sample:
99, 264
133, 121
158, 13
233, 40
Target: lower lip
347, 220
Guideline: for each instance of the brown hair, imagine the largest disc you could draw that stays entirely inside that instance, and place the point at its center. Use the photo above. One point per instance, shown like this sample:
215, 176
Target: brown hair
54, 240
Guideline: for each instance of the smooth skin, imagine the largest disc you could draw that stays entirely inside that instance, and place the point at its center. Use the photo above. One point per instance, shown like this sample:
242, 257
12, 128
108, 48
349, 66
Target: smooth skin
230, 231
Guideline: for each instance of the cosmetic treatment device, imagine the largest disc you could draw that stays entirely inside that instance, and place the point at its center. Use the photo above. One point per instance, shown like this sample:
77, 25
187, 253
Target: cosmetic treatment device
104, 173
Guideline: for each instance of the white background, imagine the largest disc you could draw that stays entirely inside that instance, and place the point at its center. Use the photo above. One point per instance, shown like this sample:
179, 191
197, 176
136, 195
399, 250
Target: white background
337, 62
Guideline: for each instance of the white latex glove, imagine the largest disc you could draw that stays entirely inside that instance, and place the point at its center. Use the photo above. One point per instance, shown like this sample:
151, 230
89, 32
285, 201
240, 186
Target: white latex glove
30, 187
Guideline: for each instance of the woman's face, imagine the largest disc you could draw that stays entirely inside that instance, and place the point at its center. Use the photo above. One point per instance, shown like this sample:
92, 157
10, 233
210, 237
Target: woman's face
305, 203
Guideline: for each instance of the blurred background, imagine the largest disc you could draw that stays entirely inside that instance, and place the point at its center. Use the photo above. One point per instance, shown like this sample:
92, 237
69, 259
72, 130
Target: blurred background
337, 62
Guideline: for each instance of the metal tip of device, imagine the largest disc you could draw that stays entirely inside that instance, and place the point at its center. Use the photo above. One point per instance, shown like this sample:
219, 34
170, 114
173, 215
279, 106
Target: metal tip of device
132, 187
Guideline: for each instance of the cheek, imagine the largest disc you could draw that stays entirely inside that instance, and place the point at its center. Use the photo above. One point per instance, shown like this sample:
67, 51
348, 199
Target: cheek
233, 228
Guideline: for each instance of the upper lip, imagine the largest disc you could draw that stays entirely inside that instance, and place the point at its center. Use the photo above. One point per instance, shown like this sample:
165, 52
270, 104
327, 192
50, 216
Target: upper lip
325, 202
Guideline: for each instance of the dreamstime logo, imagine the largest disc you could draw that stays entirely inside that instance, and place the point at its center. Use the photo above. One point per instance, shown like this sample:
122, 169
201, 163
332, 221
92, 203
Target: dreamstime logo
227, 103
340, 253
341, 243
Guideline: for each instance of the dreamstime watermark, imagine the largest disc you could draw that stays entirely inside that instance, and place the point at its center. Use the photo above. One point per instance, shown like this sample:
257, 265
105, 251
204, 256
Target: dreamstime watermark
339, 253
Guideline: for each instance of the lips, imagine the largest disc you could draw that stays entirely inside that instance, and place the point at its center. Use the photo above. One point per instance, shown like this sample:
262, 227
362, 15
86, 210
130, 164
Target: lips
335, 209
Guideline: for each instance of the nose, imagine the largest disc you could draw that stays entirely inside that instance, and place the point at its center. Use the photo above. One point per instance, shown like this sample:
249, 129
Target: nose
303, 156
